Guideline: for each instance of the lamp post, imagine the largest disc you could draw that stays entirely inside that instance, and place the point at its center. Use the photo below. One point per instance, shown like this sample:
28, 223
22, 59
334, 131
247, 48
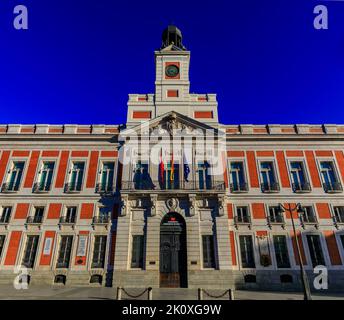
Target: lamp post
304, 279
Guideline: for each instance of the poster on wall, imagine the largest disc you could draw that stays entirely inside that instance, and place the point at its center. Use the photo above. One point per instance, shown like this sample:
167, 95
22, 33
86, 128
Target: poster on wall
82, 246
47, 246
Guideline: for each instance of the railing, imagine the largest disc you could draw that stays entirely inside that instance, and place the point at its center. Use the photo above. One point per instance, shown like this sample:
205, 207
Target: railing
34, 220
333, 187
67, 220
4, 220
275, 220
301, 187
97, 265
270, 187
242, 187
182, 185
72, 187
41, 187
101, 219
242, 220
101, 187
9, 187
62, 265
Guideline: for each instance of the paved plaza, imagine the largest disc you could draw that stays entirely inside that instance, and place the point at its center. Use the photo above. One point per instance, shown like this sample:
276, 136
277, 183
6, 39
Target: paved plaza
102, 293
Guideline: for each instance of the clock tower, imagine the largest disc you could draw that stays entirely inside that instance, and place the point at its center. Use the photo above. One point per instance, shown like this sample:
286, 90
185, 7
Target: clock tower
172, 87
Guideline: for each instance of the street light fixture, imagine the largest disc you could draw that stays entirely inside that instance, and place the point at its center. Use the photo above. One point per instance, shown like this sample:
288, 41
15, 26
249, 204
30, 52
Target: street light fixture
304, 279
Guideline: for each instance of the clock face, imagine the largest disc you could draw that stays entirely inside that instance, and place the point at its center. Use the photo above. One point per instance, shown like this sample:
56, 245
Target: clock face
172, 70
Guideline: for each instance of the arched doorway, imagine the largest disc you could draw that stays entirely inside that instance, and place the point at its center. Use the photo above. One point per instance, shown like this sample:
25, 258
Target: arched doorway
173, 255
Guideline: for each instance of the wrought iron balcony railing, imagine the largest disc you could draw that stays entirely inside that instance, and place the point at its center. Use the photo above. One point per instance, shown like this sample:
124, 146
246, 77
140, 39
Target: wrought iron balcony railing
104, 188
39, 187
72, 187
97, 265
237, 188
242, 220
102, 219
270, 187
67, 220
334, 187
34, 220
277, 219
9, 187
62, 264
301, 187
175, 185
4, 220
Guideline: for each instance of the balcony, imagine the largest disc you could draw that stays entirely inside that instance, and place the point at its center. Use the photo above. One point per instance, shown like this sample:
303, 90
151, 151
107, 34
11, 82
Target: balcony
270, 187
242, 220
238, 188
67, 220
41, 187
34, 220
308, 220
275, 220
334, 187
72, 188
62, 265
104, 188
102, 219
4, 220
9, 188
301, 187
189, 186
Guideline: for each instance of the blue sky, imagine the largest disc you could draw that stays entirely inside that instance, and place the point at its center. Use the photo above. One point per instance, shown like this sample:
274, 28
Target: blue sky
80, 59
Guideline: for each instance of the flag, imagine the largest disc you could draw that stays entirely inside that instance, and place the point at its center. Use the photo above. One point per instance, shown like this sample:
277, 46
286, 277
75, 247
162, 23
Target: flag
172, 168
186, 169
161, 168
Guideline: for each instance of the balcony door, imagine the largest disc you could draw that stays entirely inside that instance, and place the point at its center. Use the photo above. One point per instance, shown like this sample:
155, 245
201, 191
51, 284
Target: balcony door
173, 258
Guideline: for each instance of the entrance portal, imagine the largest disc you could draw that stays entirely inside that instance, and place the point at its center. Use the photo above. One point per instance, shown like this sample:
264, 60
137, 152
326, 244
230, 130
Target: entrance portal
173, 257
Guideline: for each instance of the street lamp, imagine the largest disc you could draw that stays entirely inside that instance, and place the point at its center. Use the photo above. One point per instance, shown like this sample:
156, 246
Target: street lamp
304, 279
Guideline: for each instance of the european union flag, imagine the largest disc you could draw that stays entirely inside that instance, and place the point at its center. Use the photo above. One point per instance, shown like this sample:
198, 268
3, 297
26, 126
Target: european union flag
186, 170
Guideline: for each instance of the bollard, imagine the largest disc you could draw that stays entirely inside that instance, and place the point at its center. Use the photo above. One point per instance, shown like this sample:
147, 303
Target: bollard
150, 293
119, 293
231, 294
200, 294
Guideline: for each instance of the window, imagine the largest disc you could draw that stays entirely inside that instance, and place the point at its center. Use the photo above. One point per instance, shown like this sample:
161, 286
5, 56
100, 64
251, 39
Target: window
15, 176
298, 174
5, 214
268, 177
204, 175
242, 215
137, 252
45, 176
275, 215
30, 251
208, 251
329, 177
64, 252
246, 251
103, 215
342, 240
238, 182
107, 177
308, 215
142, 179
339, 214
70, 216
37, 216
315, 250
281, 251
76, 176
98, 259
2, 243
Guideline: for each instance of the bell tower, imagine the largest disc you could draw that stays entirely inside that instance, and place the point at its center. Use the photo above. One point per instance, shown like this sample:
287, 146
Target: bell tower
172, 85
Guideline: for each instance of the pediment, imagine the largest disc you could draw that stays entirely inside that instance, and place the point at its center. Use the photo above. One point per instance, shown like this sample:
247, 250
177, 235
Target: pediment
171, 124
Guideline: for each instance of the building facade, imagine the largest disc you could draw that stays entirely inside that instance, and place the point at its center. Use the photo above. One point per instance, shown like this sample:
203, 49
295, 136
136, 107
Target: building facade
173, 198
